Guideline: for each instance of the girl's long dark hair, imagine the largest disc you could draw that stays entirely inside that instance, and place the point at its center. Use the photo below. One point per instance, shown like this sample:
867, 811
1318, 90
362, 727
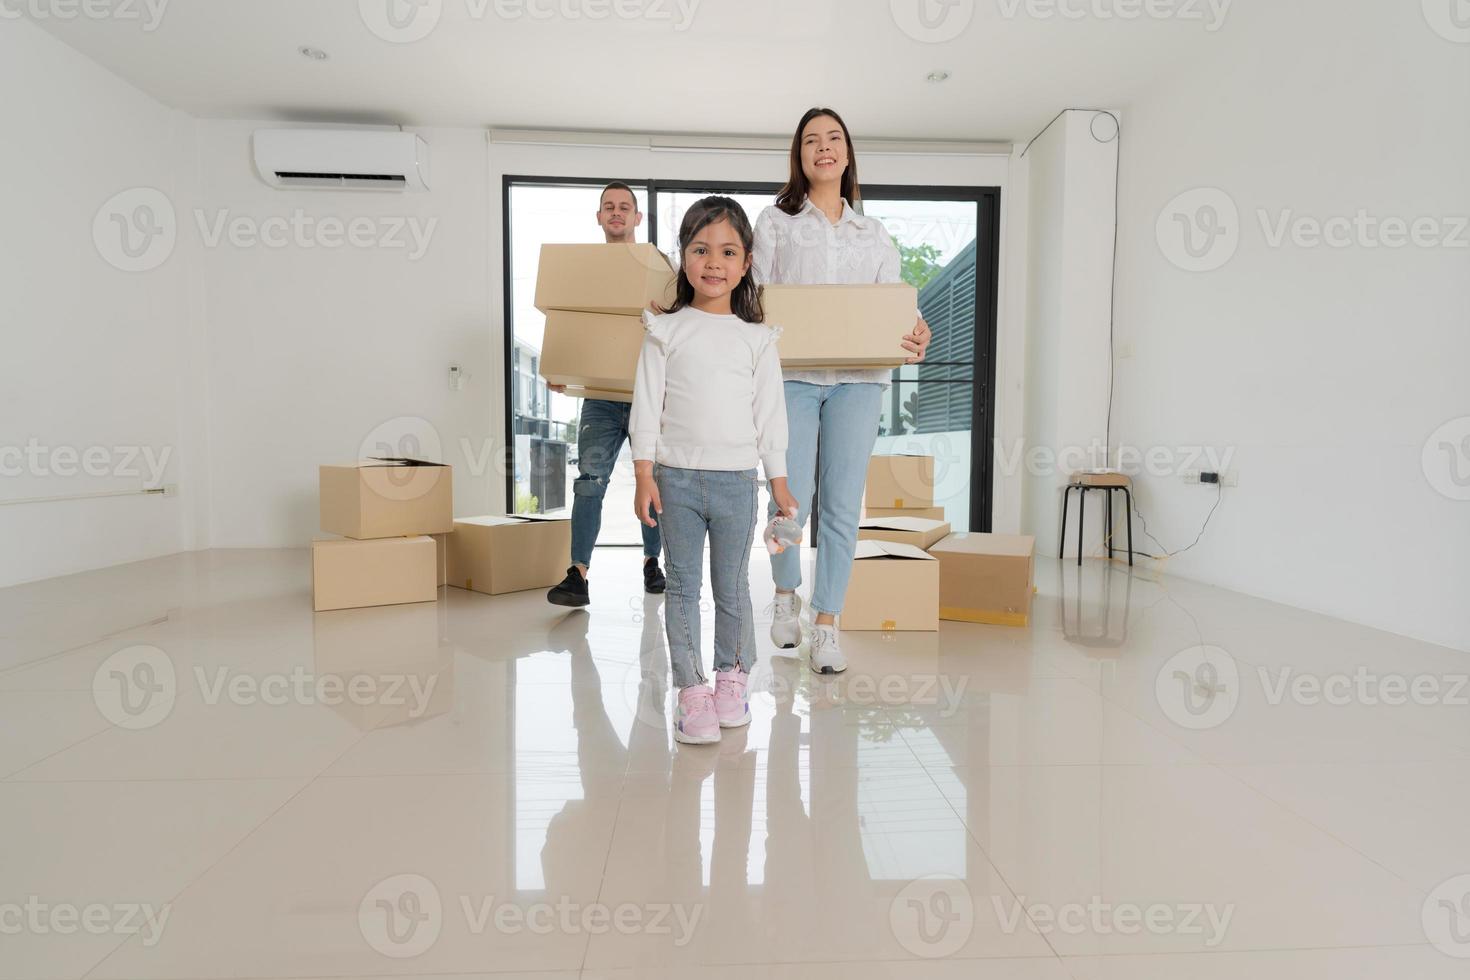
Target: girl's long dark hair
745, 301
791, 197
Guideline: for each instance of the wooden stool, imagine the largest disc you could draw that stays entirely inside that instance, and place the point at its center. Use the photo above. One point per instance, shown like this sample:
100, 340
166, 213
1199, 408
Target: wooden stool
1107, 483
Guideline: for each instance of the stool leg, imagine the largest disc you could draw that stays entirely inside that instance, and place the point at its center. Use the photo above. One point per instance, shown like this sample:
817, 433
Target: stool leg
1128, 501
1108, 503
1062, 537
1081, 519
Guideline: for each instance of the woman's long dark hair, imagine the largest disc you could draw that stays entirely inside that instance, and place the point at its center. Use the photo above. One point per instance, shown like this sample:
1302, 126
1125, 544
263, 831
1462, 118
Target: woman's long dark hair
745, 301
793, 195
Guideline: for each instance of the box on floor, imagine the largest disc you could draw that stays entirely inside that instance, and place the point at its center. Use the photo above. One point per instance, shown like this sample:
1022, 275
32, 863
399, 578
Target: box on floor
384, 498
986, 578
856, 326
347, 573
511, 553
893, 587
902, 482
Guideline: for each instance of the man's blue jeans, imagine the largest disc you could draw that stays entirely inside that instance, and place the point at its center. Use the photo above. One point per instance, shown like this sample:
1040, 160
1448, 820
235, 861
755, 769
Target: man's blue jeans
600, 435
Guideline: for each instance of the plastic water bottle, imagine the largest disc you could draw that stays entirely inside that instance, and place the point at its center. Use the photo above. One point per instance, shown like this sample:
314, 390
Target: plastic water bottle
782, 533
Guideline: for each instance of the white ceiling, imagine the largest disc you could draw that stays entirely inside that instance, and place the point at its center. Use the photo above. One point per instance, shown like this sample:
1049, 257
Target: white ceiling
734, 66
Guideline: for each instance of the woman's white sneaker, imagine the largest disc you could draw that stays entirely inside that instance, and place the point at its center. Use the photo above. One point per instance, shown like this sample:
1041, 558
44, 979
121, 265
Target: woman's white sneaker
785, 624
827, 655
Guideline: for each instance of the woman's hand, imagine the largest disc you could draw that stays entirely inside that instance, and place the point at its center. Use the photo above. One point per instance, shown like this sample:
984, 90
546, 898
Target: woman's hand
918, 341
646, 494
785, 503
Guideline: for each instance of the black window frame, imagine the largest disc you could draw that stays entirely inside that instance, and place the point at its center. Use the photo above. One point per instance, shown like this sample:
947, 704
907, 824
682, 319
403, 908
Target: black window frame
987, 201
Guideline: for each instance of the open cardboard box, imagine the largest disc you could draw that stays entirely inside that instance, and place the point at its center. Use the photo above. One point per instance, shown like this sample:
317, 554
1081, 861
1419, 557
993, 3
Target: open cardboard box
917, 531
893, 587
386, 498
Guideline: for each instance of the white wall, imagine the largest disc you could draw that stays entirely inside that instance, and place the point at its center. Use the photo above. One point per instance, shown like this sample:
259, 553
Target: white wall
1070, 180
95, 357
315, 351
1325, 369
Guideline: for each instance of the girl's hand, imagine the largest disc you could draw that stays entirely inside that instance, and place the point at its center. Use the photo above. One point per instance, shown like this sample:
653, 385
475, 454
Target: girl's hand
646, 494
785, 503
918, 341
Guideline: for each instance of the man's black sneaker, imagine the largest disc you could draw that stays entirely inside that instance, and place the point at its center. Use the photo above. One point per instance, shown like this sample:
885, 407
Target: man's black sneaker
570, 591
653, 577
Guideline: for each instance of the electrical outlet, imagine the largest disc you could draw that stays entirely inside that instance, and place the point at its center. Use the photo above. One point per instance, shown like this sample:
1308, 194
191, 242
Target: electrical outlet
1191, 476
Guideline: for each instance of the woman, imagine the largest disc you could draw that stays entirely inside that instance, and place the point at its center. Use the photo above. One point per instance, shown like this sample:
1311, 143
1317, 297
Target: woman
815, 235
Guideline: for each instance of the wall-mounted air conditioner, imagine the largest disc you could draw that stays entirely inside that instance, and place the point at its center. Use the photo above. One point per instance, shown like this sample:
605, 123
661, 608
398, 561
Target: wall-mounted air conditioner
349, 159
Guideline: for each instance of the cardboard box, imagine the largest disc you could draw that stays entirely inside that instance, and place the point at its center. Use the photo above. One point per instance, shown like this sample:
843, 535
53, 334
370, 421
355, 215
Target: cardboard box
621, 279
842, 326
597, 351
904, 482
496, 554
927, 513
893, 587
917, 531
986, 578
387, 498
581, 391
348, 574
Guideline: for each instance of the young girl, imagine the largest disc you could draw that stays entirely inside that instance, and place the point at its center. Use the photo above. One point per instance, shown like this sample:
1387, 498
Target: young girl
707, 404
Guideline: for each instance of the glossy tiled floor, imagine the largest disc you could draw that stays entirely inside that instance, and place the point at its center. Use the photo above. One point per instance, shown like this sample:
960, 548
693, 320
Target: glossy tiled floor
201, 778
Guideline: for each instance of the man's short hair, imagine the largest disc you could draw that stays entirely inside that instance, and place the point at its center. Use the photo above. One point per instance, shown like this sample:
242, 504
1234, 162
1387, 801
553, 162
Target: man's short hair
618, 185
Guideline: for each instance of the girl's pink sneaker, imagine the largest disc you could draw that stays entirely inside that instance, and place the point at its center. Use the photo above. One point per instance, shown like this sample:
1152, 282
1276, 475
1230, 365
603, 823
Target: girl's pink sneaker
731, 703
695, 720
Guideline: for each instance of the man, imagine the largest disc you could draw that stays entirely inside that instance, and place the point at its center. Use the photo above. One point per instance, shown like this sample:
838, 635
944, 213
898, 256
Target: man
601, 432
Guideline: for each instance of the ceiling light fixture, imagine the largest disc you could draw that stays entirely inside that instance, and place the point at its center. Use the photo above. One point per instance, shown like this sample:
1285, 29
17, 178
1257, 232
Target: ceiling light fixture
937, 76
315, 54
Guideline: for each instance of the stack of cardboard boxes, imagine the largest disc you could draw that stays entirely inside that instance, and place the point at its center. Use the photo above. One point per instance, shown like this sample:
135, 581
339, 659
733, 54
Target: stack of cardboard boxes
393, 515
910, 572
594, 297
400, 541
